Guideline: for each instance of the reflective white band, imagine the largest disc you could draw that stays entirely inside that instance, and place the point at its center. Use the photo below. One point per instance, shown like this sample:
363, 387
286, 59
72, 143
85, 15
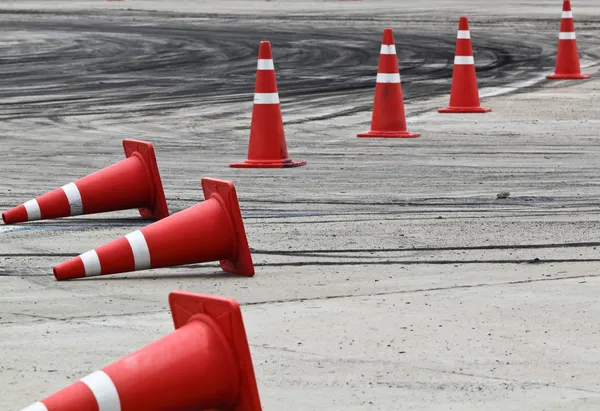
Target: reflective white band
388, 49
91, 263
33, 210
139, 247
567, 14
265, 64
463, 34
567, 36
38, 406
104, 390
266, 98
74, 197
464, 60
388, 77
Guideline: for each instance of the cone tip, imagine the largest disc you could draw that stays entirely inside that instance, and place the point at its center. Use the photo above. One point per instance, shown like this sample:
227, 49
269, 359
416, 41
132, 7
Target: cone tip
388, 36
264, 50
15, 215
567, 5
68, 270
463, 23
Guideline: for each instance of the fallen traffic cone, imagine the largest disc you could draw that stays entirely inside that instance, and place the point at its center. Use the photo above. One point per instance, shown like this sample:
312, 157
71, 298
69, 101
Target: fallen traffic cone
130, 183
209, 231
267, 147
464, 95
204, 364
567, 59
389, 119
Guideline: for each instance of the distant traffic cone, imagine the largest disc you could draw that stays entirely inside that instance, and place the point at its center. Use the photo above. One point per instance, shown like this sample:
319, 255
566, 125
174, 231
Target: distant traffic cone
388, 119
567, 59
209, 231
130, 183
267, 147
204, 364
464, 96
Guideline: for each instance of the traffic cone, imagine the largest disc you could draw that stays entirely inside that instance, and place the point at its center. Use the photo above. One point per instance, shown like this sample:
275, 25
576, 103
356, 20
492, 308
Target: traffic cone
209, 231
388, 120
130, 183
464, 95
204, 364
567, 59
267, 147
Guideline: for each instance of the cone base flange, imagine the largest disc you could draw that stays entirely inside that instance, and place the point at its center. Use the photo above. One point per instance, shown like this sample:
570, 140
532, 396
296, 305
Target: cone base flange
568, 76
388, 134
225, 191
464, 110
226, 313
145, 151
268, 164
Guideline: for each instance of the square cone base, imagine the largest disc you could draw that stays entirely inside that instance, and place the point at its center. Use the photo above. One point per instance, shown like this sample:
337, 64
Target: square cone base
145, 151
242, 264
465, 110
388, 134
227, 315
568, 77
268, 164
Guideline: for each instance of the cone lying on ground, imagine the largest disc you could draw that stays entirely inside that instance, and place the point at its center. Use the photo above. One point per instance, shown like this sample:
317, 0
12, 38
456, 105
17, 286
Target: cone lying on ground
130, 183
209, 231
267, 147
464, 96
389, 119
204, 364
567, 59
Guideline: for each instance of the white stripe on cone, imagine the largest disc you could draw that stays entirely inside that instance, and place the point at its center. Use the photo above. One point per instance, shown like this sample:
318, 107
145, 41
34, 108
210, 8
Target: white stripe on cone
33, 210
266, 98
463, 34
388, 49
567, 14
388, 77
567, 36
38, 406
104, 390
265, 64
74, 197
139, 247
91, 263
464, 60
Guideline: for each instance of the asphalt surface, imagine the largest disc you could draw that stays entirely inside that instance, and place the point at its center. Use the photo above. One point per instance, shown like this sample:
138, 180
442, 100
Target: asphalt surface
389, 274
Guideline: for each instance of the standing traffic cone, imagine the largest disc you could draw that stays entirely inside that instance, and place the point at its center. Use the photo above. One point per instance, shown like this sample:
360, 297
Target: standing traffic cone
209, 231
130, 183
567, 59
267, 147
388, 120
464, 96
204, 364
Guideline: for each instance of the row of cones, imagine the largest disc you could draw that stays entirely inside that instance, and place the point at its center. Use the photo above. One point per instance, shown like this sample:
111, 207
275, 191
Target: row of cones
205, 364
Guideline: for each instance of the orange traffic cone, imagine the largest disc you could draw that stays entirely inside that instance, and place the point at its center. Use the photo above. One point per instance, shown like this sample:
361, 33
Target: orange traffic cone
130, 183
204, 364
389, 119
267, 147
464, 96
209, 231
567, 59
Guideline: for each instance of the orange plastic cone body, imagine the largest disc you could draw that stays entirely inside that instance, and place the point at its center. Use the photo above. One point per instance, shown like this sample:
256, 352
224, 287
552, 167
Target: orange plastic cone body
389, 119
204, 364
209, 231
567, 59
130, 183
464, 96
267, 147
